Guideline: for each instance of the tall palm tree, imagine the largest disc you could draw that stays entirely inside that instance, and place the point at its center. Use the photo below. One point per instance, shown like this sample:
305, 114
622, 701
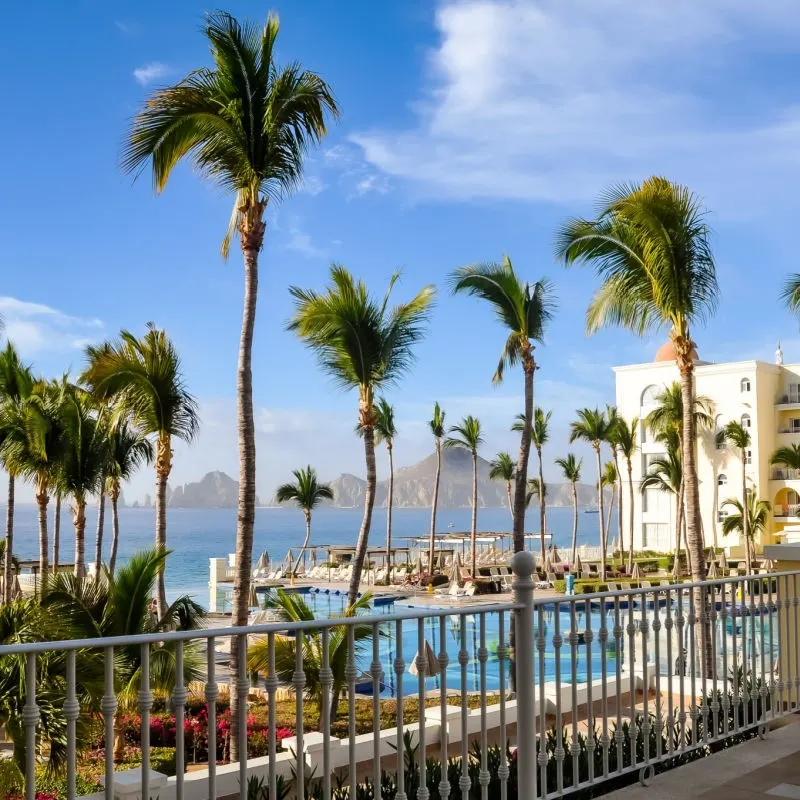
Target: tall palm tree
524, 309
749, 524
128, 449
385, 431
467, 436
142, 377
536, 488
609, 477
306, 492
437, 426
736, 434
539, 437
571, 470
613, 420
364, 345
104, 420
651, 247
502, 468
624, 438
246, 125
57, 532
16, 384
788, 457
592, 427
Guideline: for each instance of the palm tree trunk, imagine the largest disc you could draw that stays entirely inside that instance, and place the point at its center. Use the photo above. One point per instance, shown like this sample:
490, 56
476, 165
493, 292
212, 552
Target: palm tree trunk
436, 500
601, 514
620, 532
574, 526
42, 499
98, 542
510, 501
163, 468
473, 537
389, 519
369, 500
611, 509
745, 513
630, 513
57, 533
112, 558
305, 543
521, 478
542, 513
251, 233
8, 565
676, 564
79, 522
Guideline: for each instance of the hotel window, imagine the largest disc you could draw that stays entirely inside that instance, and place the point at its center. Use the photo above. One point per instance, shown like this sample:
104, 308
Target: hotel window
654, 534
793, 393
748, 456
794, 425
745, 420
745, 384
722, 480
643, 424
649, 395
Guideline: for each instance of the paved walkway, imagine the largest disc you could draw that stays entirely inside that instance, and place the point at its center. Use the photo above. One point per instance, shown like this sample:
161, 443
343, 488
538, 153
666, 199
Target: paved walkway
754, 770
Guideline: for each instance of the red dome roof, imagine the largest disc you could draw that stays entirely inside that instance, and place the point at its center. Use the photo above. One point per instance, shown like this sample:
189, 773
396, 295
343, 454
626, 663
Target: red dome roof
667, 352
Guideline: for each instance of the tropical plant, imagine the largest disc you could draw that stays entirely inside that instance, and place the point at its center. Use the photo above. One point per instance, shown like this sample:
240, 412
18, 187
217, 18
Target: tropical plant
467, 436
623, 436
592, 427
736, 434
437, 426
16, 384
609, 477
524, 309
291, 607
571, 470
667, 413
128, 449
57, 532
748, 525
539, 437
364, 345
790, 292
650, 245
120, 605
613, 420
385, 431
502, 468
536, 488
787, 456
142, 378
306, 492
246, 125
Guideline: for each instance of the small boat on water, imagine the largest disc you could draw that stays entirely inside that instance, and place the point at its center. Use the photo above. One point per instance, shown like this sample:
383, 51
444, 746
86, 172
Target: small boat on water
591, 510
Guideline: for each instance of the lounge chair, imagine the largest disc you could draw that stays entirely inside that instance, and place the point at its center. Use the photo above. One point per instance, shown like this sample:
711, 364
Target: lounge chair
645, 585
612, 587
626, 586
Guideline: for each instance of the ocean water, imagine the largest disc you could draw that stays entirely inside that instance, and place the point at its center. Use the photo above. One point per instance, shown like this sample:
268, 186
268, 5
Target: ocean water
195, 535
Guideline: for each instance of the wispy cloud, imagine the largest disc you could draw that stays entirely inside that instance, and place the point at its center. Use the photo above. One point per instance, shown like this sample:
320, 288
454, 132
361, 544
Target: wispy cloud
301, 242
151, 72
36, 328
356, 176
312, 185
127, 27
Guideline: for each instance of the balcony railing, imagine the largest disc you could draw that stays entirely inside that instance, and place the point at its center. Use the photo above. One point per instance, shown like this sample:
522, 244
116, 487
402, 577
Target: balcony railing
651, 674
787, 398
785, 474
783, 511
788, 430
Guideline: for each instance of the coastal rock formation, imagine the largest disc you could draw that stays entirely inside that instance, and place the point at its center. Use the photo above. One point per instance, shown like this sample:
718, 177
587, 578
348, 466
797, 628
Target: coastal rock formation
213, 490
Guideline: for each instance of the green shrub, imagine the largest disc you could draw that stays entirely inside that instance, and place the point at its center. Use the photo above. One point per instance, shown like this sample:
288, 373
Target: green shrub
162, 759
560, 586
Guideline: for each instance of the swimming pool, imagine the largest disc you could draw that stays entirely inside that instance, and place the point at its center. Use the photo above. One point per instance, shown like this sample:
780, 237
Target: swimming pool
553, 618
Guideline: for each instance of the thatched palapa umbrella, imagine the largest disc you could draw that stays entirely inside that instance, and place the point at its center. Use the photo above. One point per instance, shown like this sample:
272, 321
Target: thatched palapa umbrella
636, 572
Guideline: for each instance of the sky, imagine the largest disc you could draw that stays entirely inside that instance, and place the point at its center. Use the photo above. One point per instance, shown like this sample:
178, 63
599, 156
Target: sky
469, 129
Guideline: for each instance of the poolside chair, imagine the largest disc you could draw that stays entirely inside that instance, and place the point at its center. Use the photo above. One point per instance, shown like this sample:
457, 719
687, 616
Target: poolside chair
645, 585
626, 586
612, 587
551, 578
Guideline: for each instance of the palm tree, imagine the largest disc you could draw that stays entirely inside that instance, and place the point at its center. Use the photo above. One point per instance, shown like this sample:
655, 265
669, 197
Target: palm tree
103, 420
56, 532
736, 434
128, 449
16, 384
467, 436
502, 469
788, 457
385, 431
539, 436
592, 426
609, 477
613, 420
142, 377
306, 492
292, 608
364, 345
437, 426
536, 488
650, 245
524, 309
571, 470
247, 126
748, 525
624, 438
119, 605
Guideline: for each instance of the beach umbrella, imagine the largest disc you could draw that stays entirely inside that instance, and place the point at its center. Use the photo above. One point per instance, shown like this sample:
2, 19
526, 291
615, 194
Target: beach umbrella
723, 561
712, 570
312, 560
577, 566
548, 564
252, 600
432, 666
289, 561
555, 558
418, 566
455, 570
636, 572
263, 561
768, 564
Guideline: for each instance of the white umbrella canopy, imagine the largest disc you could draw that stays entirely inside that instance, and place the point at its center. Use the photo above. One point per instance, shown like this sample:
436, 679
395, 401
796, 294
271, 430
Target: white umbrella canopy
712, 570
432, 665
263, 561
577, 566
455, 570
723, 561
289, 561
636, 572
418, 565
555, 558
312, 559
548, 564
252, 598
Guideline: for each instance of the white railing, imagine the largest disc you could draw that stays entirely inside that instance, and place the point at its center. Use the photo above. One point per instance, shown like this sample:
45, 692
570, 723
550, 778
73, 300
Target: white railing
606, 686
785, 473
786, 510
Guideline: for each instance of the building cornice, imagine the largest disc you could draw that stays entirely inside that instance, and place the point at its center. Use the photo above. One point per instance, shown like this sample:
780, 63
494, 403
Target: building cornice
709, 367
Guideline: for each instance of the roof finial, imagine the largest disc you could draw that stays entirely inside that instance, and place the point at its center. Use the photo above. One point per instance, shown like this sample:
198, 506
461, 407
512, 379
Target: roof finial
779, 355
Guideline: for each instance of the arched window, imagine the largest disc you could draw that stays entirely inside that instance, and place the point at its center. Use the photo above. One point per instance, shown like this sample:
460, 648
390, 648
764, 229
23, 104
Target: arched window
745, 421
744, 385
722, 480
649, 395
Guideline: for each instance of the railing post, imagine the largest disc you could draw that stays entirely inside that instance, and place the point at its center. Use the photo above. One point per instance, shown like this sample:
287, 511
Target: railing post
522, 564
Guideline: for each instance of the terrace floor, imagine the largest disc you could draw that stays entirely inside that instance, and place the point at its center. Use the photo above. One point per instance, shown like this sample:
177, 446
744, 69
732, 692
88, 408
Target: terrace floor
754, 770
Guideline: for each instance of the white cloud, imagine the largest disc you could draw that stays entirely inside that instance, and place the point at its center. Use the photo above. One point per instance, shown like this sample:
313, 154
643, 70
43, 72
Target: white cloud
373, 182
301, 242
548, 100
36, 328
148, 73
355, 175
312, 185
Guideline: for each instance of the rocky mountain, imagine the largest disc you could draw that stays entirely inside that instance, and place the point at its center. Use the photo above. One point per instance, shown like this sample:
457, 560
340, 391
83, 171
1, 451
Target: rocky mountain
213, 490
413, 486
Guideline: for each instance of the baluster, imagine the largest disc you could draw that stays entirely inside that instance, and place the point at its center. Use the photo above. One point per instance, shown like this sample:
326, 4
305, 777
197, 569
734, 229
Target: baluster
590, 722
243, 688
619, 734
422, 673
399, 670
795, 601
691, 644
351, 674
735, 654
669, 626
299, 683
376, 672
464, 782
483, 655
762, 688
714, 660
631, 630
559, 753
30, 718
754, 688
643, 629
575, 748
109, 707
704, 678
744, 681
444, 660
211, 718
145, 704
179, 696
541, 756
723, 613
657, 657
603, 639
774, 619
72, 711
271, 684
326, 682
680, 622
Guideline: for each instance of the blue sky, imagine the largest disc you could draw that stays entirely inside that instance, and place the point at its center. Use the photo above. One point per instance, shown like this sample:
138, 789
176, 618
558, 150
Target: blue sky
468, 129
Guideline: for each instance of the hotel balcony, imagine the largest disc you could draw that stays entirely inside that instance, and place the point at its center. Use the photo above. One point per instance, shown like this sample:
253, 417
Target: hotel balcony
788, 400
785, 474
